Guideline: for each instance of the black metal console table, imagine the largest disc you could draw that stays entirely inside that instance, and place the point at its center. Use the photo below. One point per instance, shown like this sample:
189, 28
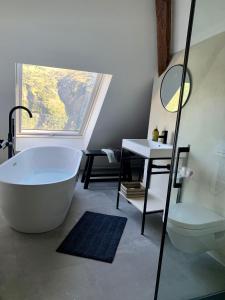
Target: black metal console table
154, 205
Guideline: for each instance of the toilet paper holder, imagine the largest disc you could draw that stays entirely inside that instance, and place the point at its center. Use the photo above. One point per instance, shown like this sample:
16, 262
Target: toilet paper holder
180, 150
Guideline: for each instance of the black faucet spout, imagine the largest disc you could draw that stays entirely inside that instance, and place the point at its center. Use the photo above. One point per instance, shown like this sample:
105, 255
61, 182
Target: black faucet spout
15, 108
164, 136
11, 127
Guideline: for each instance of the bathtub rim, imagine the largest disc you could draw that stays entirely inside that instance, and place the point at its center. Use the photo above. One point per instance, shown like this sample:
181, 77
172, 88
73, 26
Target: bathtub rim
75, 173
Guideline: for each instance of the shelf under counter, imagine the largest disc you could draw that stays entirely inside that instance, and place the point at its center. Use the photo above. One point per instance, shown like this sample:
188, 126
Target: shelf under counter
154, 203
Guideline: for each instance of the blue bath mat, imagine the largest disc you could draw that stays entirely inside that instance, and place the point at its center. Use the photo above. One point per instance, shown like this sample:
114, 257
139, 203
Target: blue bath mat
95, 236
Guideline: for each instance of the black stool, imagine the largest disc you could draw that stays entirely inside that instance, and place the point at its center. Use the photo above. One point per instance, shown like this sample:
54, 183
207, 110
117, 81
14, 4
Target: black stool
87, 173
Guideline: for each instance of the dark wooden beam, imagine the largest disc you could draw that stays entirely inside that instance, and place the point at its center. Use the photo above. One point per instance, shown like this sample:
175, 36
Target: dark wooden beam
163, 14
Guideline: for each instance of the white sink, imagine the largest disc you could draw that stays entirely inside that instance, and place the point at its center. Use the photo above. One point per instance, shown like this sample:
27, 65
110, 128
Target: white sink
148, 148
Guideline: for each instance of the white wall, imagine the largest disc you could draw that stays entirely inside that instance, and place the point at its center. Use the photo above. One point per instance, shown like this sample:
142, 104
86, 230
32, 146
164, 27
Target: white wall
201, 31
201, 28
203, 118
209, 19
112, 37
158, 115
199, 66
202, 126
180, 17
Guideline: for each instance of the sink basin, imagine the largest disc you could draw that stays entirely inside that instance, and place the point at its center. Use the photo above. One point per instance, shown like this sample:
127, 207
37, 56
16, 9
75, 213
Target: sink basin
148, 148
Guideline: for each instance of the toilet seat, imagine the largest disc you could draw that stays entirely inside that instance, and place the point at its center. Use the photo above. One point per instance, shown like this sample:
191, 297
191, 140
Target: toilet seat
194, 220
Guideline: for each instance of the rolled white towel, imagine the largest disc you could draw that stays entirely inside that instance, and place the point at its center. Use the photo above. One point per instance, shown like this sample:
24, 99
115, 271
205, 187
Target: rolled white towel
110, 155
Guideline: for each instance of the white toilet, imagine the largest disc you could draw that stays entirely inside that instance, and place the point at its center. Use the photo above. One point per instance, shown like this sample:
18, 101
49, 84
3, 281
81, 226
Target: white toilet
195, 229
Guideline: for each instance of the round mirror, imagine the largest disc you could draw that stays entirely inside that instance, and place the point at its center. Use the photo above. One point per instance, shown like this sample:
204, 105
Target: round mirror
170, 88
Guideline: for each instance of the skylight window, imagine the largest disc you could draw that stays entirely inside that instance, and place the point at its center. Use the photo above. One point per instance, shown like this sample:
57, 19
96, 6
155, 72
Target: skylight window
61, 100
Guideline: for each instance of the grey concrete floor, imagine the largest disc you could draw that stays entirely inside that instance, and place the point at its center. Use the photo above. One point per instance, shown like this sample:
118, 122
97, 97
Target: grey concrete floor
187, 276
31, 269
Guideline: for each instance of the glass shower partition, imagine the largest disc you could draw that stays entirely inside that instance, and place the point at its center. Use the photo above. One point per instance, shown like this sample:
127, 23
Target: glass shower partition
193, 258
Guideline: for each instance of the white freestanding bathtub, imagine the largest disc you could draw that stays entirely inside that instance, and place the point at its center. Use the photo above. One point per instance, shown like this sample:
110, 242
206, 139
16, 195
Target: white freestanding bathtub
36, 187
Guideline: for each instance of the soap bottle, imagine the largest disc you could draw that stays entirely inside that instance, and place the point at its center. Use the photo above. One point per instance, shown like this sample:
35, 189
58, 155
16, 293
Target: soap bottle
155, 135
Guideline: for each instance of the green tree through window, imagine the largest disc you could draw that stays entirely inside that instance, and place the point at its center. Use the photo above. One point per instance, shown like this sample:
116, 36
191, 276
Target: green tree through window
60, 99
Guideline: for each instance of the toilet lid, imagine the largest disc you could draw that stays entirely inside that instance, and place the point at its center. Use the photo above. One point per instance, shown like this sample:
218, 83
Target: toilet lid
194, 216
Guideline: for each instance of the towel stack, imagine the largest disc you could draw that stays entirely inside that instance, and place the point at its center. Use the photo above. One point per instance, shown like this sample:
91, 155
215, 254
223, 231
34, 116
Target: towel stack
133, 189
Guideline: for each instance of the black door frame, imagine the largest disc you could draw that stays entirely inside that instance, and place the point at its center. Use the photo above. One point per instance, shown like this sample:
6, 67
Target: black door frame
186, 56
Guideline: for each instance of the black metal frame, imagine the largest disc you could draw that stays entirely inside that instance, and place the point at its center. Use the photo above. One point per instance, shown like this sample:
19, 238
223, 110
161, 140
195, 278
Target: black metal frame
150, 166
186, 56
1, 141
87, 171
88, 176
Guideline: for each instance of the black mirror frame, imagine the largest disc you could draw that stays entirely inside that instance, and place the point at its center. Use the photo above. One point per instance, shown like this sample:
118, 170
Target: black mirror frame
189, 94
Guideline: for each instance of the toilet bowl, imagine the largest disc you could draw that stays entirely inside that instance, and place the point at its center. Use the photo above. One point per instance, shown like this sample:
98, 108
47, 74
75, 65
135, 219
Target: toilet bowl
195, 229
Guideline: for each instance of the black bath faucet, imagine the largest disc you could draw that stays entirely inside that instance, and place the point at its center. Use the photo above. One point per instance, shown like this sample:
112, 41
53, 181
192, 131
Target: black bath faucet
11, 128
164, 136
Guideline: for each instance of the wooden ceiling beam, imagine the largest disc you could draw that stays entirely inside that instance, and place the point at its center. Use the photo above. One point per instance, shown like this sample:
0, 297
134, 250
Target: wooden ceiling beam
163, 14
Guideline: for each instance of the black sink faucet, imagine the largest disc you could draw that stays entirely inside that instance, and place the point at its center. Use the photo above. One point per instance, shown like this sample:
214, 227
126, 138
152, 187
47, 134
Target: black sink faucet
164, 136
11, 128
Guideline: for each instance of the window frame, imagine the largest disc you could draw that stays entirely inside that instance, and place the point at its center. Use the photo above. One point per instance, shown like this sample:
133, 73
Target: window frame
53, 133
